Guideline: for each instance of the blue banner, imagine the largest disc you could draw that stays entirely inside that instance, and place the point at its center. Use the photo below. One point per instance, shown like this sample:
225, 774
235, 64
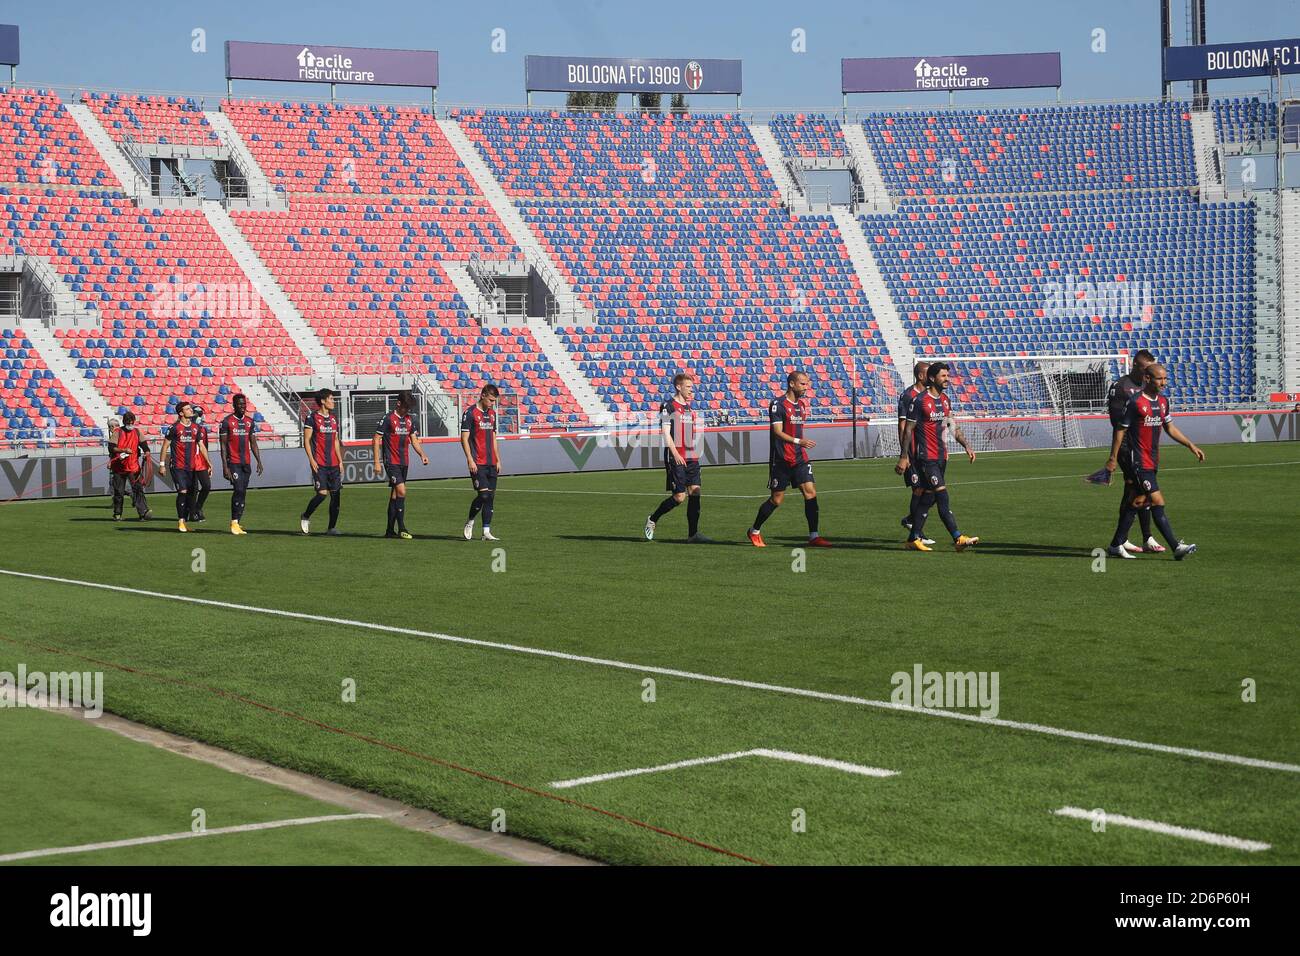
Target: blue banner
911, 74
298, 63
604, 74
1226, 61
8, 44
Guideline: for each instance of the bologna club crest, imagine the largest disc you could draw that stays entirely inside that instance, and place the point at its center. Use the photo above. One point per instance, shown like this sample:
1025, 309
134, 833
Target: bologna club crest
694, 75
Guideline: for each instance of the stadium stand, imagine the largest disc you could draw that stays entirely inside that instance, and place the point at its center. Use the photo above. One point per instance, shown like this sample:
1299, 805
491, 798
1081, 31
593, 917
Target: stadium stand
1241, 119
141, 268
366, 275
41, 144
334, 148
808, 136
738, 293
1125, 146
176, 120
646, 156
33, 404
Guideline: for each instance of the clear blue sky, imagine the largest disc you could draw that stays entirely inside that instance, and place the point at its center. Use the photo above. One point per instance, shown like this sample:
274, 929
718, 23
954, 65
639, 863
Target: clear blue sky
147, 45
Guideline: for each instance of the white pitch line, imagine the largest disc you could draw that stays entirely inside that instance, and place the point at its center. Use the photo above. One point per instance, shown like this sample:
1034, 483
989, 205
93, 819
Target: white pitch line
785, 755
1166, 829
186, 835
684, 675
848, 491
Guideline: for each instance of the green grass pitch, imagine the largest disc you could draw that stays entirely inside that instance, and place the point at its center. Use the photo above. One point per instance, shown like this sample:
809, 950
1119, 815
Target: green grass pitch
1150, 650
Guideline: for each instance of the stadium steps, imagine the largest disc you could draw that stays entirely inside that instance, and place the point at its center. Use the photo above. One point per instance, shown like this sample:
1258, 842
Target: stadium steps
58, 361
1291, 290
322, 363
882, 305
875, 194
573, 311
277, 416
127, 173
1205, 149
261, 194
479, 305
776, 165
593, 406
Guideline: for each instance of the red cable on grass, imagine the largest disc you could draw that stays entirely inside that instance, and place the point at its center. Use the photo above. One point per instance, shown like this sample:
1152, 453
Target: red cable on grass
396, 748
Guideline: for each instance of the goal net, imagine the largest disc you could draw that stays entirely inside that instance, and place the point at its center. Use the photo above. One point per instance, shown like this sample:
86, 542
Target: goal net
1012, 402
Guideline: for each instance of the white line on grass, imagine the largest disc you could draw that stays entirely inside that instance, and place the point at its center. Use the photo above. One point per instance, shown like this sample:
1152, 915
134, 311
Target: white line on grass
186, 835
685, 675
1165, 829
785, 755
836, 491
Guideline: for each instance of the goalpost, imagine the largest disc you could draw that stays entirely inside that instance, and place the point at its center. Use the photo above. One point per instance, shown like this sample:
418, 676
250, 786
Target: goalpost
1007, 402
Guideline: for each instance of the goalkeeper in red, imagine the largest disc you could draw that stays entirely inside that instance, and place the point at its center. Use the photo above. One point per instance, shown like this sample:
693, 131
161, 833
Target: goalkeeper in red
924, 434
1146, 416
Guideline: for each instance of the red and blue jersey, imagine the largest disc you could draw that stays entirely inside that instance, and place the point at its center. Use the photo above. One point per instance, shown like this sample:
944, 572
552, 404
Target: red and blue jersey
481, 425
931, 415
324, 433
238, 433
395, 431
905, 402
791, 416
184, 442
1120, 394
200, 463
1144, 420
680, 418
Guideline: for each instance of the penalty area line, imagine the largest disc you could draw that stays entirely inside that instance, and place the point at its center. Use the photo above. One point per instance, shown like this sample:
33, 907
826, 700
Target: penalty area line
785, 755
1164, 829
1207, 755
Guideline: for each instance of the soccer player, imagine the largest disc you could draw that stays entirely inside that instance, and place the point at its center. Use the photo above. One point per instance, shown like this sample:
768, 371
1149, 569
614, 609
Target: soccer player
1121, 392
181, 447
397, 433
237, 434
478, 437
788, 463
202, 486
320, 439
125, 447
905, 401
931, 412
1147, 414
679, 426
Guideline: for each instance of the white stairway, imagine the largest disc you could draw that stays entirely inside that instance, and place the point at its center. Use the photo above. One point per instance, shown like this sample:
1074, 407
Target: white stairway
593, 406
882, 305
1203, 147
259, 187
73, 379
875, 192
569, 302
458, 273
273, 411
128, 176
322, 363
775, 160
1291, 290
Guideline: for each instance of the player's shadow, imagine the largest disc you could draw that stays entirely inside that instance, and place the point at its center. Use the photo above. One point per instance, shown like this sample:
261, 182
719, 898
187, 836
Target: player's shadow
635, 539
165, 526
1029, 550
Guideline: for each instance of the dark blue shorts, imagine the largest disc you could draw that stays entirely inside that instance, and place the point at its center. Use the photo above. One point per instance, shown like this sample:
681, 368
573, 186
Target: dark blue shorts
396, 475
781, 476
328, 478
681, 477
182, 478
1125, 459
929, 474
485, 479
1146, 481
910, 477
